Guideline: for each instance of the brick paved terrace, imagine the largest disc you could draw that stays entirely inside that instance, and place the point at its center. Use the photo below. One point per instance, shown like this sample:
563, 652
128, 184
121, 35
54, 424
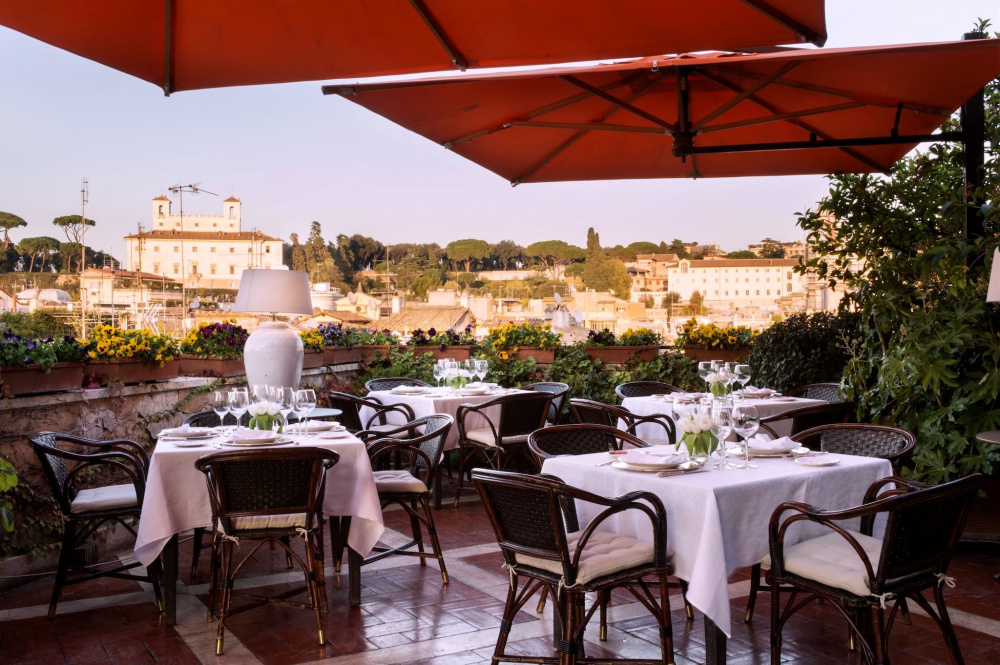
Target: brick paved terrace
407, 616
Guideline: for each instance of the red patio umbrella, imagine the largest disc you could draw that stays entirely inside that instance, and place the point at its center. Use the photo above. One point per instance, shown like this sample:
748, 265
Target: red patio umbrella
192, 44
710, 115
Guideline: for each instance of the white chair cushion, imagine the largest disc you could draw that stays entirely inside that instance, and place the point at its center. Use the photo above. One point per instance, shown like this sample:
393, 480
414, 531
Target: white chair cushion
398, 481
385, 428
485, 436
109, 497
604, 554
283, 521
831, 560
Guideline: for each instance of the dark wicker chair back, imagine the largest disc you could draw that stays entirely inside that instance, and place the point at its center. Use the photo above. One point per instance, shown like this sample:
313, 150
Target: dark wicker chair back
208, 419
522, 413
808, 417
579, 440
422, 451
133, 462
558, 391
922, 530
645, 389
393, 382
266, 482
526, 514
892, 443
825, 391
598, 413
351, 406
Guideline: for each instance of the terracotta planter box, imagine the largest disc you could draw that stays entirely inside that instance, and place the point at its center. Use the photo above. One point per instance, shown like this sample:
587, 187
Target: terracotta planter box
541, 356
369, 350
127, 370
312, 359
341, 355
457, 352
619, 355
699, 353
31, 380
217, 367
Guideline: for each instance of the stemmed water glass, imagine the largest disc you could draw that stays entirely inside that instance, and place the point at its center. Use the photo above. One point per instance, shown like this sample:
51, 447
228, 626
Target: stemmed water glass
742, 374
451, 370
285, 399
705, 367
745, 424
306, 402
480, 368
438, 371
722, 427
220, 404
239, 402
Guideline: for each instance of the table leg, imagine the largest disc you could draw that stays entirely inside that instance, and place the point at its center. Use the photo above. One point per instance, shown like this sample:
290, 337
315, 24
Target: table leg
169, 557
354, 576
715, 643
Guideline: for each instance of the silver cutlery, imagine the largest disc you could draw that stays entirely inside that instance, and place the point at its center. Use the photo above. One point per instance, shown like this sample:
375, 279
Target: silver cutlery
679, 472
608, 463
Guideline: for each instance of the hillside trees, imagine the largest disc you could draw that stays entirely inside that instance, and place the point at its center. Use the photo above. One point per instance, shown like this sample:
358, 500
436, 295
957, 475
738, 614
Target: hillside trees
8, 221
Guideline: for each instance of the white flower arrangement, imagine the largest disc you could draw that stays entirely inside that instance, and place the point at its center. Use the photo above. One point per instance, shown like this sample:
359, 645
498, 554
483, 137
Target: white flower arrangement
264, 415
697, 437
694, 423
264, 408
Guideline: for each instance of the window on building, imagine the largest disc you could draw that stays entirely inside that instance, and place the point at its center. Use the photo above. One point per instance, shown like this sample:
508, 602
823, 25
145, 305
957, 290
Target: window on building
214, 225
232, 250
211, 250
684, 268
196, 225
156, 248
161, 225
177, 268
748, 293
778, 292
717, 293
768, 293
267, 250
194, 267
195, 249
211, 270
177, 248
788, 287
789, 274
232, 270
727, 293
232, 212
758, 293
156, 268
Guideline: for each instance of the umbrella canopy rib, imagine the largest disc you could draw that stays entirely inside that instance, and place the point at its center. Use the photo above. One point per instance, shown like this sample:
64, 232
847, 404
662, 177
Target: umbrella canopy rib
763, 83
819, 110
622, 104
812, 130
457, 59
797, 27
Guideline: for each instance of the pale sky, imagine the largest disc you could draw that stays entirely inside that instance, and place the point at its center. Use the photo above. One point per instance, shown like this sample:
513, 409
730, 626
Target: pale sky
293, 156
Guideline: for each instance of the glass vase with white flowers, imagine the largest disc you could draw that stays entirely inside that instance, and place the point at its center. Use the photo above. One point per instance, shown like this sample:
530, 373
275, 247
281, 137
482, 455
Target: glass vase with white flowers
697, 434
266, 415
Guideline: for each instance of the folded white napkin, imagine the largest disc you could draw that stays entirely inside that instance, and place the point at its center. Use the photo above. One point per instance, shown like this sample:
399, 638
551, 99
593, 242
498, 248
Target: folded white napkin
779, 445
253, 435
184, 431
408, 390
646, 459
753, 391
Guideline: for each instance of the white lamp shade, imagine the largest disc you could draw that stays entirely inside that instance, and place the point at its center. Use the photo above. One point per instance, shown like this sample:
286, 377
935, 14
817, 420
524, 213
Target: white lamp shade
993, 292
274, 292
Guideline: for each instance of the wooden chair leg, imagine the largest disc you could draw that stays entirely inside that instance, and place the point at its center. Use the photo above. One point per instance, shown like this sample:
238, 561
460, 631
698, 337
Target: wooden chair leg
775, 623
225, 603
879, 652
950, 639
688, 610
415, 527
213, 582
904, 612
666, 623
196, 546
508, 619
541, 601
603, 634
339, 529
155, 572
461, 472
312, 580
65, 556
432, 534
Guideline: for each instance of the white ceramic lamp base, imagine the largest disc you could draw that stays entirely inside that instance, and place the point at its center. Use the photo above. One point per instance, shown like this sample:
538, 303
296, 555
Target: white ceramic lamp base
273, 356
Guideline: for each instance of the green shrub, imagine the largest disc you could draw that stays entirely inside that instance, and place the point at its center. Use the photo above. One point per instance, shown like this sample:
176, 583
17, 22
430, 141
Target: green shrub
804, 348
35, 325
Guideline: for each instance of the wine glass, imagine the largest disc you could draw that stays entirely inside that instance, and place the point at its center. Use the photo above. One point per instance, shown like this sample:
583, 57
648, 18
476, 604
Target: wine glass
728, 375
742, 373
220, 404
451, 369
704, 369
438, 371
481, 368
259, 393
745, 424
306, 399
285, 399
239, 402
722, 427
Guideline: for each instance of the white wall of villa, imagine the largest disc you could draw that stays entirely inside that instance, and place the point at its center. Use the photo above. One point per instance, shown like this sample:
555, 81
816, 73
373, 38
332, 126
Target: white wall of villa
203, 251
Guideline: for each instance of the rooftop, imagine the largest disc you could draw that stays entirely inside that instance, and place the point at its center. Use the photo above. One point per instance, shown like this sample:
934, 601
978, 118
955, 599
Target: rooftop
204, 235
415, 317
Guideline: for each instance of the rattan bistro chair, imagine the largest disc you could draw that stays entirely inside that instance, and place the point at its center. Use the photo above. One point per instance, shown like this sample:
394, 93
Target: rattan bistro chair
587, 411
829, 392
85, 510
501, 438
393, 382
923, 525
558, 391
535, 521
807, 417
403, 487
891, 443
270, 496
351, 406
645, 389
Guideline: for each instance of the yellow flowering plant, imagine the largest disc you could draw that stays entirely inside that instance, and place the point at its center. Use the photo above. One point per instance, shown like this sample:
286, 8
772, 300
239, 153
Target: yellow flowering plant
640, 337
511, 336
312, 340
109, 343
712, 336
221, 339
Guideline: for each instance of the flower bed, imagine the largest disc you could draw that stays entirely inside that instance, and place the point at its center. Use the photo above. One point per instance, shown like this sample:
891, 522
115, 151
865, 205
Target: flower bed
312, 347
640, 344
520, 341
447, 344
711, 342
130, 356
214, 349
29, 366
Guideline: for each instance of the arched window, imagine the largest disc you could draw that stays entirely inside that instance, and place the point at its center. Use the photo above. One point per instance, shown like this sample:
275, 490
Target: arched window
161, 208
232, 211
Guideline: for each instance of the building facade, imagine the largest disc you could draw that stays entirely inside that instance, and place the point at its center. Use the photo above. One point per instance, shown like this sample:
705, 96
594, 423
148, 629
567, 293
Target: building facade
202, 251
739, 282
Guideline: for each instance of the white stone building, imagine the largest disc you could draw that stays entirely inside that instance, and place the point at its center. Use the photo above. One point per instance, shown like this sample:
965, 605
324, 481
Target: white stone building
203, 251
738, 283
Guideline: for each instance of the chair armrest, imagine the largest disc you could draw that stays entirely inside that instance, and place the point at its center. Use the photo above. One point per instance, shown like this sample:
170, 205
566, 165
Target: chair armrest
465, 409
110, 459
382, 409
645, 502
132, 449
662, 420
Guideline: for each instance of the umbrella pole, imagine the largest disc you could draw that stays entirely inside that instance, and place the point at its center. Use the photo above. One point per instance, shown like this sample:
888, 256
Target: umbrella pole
973, 136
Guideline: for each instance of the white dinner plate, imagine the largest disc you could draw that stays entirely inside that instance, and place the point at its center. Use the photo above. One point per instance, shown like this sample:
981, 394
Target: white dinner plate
821, 460
190, 443
334, 434
654, 466
316, 426
408, 390
471, 392
625, 466
780, 398
193, 433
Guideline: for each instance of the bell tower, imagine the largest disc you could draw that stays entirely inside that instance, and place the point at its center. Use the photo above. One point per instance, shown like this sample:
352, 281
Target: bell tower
231, 215
161, 212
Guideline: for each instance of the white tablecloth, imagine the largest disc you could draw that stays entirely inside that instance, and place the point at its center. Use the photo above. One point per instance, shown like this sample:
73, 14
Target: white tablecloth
176, 498
437, 401
718, 519
649, 406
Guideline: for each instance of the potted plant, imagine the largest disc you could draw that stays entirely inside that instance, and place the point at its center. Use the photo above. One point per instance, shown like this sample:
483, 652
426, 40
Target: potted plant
447, 344
370, 342
524, 340
312, 346
641, 344
213, 349
338, 345
711, 342
30, 366
131, 356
